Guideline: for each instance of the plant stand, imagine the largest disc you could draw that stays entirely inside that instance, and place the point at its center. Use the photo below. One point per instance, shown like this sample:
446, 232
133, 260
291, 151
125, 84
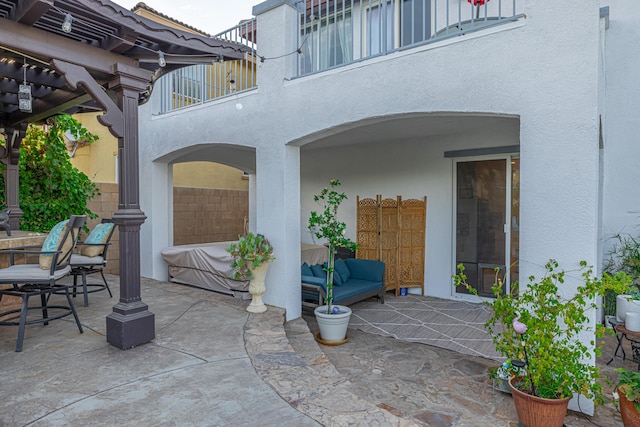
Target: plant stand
257, 288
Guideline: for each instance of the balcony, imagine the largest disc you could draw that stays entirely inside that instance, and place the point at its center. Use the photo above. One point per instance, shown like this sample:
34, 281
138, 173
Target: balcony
335, 33
198, 84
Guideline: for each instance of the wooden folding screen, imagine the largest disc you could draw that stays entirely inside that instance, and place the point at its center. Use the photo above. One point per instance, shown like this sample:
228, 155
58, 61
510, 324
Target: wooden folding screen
393, 231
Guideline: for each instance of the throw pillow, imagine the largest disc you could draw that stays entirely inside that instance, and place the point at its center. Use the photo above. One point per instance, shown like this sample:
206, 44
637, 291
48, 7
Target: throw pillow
51, 244
98, 235
318, 271
337, 280
306, 270
341, 267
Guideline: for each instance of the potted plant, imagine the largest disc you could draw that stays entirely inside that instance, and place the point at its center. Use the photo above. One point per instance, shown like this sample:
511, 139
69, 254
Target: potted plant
624, 255
252, 255
627, 396
332, 320
540, 324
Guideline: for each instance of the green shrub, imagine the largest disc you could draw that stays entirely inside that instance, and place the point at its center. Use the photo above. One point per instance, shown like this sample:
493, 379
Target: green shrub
51, 188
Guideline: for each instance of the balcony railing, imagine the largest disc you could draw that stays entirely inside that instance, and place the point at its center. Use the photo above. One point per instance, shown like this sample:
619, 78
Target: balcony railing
338, 32
201, 83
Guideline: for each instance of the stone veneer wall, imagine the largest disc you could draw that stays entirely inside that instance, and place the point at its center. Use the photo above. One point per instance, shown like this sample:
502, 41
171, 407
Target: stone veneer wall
200, 215
203, 215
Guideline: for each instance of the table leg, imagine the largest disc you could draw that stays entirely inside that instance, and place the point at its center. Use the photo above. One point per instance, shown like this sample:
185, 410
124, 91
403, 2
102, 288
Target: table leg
619, 338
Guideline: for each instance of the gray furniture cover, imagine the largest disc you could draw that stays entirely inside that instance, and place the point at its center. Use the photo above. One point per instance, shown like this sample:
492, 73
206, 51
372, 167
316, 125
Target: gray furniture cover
205, 265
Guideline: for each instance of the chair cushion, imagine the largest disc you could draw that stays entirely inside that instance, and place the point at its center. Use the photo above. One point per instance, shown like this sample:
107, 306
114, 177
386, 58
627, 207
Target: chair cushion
30, 273
341, 267
306, 270
98, 235
51, 244
79, 260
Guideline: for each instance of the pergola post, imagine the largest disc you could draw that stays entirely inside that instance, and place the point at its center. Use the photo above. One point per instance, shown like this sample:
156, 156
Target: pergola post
11, 157
131, 323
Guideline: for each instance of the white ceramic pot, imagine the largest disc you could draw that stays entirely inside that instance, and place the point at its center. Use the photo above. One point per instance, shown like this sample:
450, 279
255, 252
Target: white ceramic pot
333, 327
624, 305
632, 321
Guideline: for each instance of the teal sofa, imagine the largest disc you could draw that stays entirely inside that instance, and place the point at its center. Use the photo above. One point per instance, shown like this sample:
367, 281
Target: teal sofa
353, 279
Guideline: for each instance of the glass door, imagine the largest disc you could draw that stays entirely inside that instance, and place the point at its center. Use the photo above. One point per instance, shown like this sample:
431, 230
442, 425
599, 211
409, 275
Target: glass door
487, 193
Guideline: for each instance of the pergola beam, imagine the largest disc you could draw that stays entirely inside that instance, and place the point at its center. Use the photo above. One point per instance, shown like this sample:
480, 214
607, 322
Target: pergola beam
46, 46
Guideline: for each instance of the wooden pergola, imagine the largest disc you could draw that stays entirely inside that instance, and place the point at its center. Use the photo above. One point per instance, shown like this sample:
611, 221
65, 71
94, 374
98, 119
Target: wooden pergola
104, 58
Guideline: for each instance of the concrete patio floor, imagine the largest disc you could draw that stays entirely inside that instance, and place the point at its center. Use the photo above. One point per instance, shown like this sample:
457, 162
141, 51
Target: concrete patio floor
214, 364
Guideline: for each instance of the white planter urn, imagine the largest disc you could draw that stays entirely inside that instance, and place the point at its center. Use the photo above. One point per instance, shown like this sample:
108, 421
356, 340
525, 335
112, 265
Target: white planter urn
333, 327
257, 288
624, 305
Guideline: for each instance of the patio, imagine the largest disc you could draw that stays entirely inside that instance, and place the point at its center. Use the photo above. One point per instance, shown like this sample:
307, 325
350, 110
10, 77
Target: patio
212, 363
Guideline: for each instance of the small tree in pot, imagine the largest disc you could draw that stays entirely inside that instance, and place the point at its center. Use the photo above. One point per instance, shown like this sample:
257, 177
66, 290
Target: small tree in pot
325, 225
252, 254
541, 324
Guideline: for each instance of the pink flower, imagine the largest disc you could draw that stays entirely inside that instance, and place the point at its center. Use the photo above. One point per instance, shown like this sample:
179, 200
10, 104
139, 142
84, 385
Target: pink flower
477, 2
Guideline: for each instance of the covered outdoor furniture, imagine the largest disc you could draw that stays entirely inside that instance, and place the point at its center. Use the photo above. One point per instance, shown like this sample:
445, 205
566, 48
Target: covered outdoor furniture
41, 279
353, 279
92, 258
205, 265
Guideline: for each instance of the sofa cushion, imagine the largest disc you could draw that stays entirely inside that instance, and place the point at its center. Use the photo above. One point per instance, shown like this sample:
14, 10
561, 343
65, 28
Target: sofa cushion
306, 270
318, 271
337, 280
366, 269
313, 280
354, 288
341, 268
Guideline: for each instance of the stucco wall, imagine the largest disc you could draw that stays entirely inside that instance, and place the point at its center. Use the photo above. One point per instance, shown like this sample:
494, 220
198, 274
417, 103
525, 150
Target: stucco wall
533, 70
621, 123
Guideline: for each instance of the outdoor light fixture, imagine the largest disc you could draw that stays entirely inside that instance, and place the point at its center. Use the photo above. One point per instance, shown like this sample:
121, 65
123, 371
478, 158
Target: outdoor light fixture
66, 25
24, 98
161, 61
24, 92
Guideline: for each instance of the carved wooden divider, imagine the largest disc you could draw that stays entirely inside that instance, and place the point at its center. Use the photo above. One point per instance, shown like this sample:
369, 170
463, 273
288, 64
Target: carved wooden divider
393, 231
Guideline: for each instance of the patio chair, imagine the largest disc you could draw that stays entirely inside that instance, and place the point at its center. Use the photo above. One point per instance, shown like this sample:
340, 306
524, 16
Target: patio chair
92, 259
40, 279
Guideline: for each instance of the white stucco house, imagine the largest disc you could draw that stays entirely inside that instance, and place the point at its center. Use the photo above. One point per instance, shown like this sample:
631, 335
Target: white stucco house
521, 129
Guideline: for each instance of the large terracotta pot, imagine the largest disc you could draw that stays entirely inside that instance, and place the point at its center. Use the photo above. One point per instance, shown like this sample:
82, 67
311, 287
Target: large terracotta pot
537, 411
630, 415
